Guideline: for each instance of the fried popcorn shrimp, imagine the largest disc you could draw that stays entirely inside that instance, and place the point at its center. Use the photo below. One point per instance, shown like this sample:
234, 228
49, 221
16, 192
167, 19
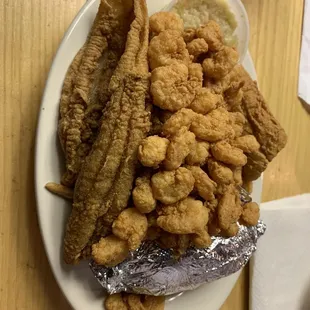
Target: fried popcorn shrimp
162, 21
115, 302
178, 149
152, 151
229, 210
195, 73
154, 302
248, 144
110, 251
131, 225
182, 118
211, 204
189, 35
203, 184
238, 121
179, 243
221, 63
203, 240
168, 48
198, 154
171, 186
205, 101
142, 195
220, 173
250, 214
212, 127
188, 216
197, 47
212, 34
228, 154
172, 88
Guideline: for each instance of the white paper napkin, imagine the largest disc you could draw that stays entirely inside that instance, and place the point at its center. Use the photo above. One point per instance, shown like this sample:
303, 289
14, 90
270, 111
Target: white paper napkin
280, 269
304, 65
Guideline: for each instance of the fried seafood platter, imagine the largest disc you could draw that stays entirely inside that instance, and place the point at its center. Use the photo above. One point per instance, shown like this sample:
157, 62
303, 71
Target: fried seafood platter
161, 129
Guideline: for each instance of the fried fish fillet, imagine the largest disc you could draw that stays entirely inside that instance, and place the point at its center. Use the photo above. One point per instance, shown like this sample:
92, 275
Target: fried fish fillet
105, 181
85, 89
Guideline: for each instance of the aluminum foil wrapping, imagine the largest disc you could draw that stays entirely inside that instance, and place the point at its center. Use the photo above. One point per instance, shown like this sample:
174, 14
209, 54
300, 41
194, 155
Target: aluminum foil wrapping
153, 271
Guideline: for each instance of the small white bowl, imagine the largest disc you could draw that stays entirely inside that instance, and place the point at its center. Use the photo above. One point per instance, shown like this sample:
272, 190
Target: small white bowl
243, 28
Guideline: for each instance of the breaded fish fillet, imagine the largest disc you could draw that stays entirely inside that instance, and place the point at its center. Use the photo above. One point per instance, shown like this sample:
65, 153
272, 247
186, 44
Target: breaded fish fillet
105, 181
85, 89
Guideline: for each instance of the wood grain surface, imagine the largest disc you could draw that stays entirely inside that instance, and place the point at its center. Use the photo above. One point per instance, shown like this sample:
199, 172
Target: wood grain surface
30, 32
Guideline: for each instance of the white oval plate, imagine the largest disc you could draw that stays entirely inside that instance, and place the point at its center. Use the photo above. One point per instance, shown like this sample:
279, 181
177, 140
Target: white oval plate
77, 283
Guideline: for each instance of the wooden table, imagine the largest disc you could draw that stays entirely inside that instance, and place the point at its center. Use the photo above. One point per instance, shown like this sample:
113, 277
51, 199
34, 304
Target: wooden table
30, 32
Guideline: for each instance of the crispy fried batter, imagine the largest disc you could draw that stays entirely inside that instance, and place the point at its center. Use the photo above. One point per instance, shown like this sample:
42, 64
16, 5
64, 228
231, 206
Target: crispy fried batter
131, 226
105, 181
110, 251
182, 118
203, 184
238, 121
115, 302
86, 85
248, 144
198, 154
228, 154
178, 149
205, 101
212, 127
172, 186
256, 164
220, 173
187, 216
250, 214
229, 210
152, 151
162, 21
189, 34
179, 243
212, 34
168, 48
60, 190
267, 130
197, 47
221, 63
142, 195
173, 87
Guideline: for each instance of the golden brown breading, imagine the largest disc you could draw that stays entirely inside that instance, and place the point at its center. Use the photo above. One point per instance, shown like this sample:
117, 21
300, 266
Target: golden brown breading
131, 226
189, 34
173, 88
178, 149
152, 151
168, 48
212, 127
188, 216
110, 251
197, 47
267, 130
202, 241
105, 181
60, 190
212, 34
233, 96
248, 144
162, 21
115, 302
250, 214
256, 164
228, 154
205, 101
229, 210
171, 186
220, 173
221, 63
203, 184
198, 154
182, 118
142, 195
179, 243
238, 122
85, 90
